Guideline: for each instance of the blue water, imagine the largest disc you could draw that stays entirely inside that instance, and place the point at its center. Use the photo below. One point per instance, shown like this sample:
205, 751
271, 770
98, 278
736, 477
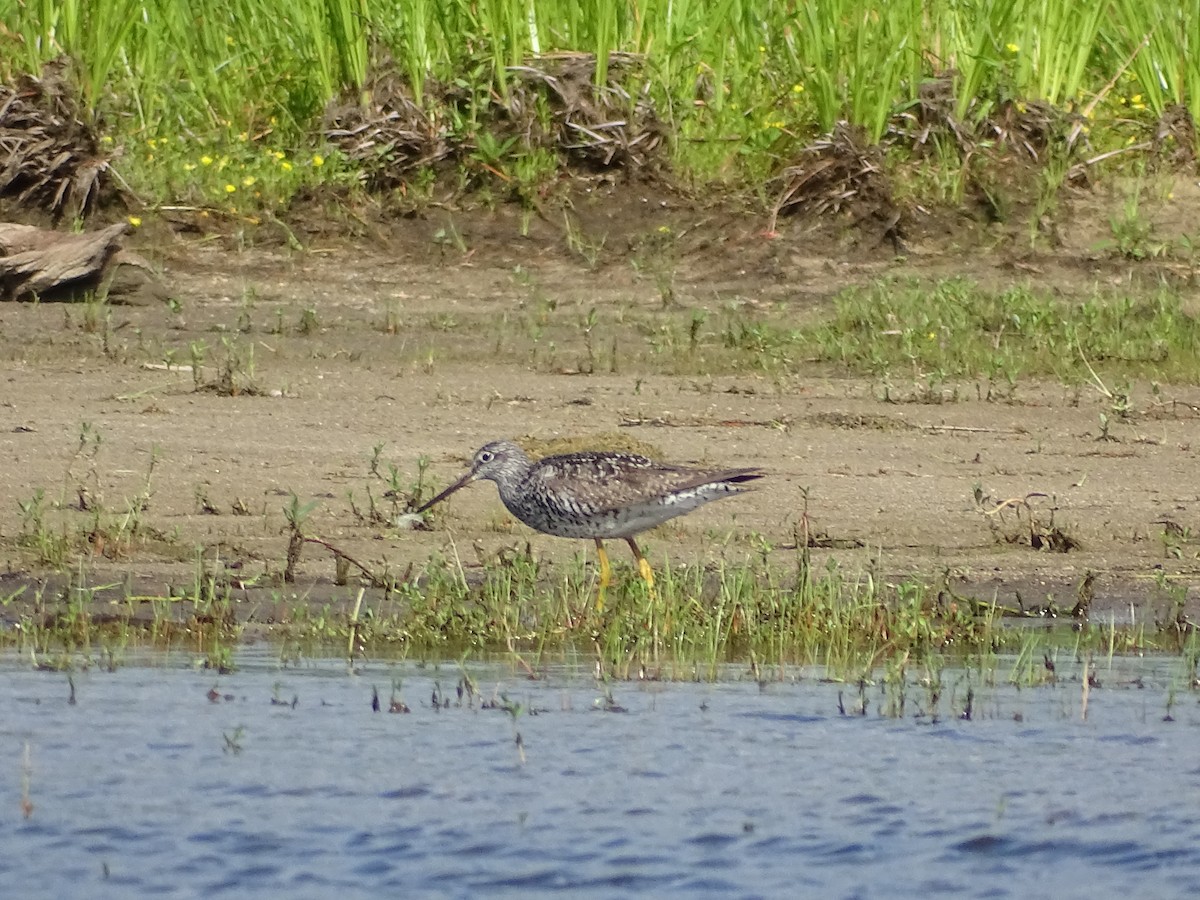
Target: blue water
146, 787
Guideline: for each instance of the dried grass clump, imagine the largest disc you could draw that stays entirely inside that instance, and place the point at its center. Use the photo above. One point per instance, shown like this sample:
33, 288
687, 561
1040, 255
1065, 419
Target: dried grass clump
837, 172
552, 102
389, 134
49, 153
598, 126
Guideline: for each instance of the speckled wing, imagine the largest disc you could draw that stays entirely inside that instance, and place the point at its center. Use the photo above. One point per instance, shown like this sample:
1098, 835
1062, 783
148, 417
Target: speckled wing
598, 483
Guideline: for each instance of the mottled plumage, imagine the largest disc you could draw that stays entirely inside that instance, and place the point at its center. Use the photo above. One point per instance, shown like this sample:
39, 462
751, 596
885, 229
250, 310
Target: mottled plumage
596, 495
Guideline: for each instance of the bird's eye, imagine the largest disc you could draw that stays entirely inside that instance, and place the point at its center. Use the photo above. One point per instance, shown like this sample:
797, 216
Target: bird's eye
486, 456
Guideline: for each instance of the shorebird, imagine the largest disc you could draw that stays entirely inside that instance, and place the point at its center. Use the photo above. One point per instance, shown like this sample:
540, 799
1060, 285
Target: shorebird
597, 495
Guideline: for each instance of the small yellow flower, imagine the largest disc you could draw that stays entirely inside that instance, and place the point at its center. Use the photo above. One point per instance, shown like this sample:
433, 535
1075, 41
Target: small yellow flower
278, 154
248, 181
664, 229
106, 139
797, 89
1136, 98
135, 221
228, 41
318, 160
187, 167
244, 136
1021, 107
1012, 48
206, 160
932, 335
230, 188
762, 49
151, 143
286, 166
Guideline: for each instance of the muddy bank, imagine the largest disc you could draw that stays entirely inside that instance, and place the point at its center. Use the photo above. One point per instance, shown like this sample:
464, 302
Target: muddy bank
274, 371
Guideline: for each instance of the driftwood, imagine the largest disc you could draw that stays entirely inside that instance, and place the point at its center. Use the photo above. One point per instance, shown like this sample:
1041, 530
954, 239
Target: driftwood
40, 264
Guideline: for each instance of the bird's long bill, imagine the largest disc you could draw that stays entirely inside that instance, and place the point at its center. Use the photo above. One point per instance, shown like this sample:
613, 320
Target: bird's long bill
462, 482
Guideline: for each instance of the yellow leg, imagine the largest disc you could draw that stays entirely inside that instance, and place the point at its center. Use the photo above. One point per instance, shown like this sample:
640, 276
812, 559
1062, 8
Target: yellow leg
605, 574
643, 564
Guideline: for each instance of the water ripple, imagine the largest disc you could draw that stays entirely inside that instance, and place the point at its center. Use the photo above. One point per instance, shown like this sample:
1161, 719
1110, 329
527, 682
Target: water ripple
701, 791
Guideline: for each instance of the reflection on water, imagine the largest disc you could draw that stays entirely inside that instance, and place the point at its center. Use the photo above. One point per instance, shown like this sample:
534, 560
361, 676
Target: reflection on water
148, 786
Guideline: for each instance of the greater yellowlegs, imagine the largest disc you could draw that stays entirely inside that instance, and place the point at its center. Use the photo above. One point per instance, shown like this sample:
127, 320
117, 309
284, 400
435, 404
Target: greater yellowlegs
597, 495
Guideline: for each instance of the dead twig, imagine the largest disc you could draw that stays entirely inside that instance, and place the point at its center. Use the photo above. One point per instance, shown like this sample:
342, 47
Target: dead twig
375, 580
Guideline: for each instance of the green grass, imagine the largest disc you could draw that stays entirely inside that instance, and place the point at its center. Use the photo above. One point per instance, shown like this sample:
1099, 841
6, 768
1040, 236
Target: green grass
82, 623
739, 86
694, 624
957, 329
948, 331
